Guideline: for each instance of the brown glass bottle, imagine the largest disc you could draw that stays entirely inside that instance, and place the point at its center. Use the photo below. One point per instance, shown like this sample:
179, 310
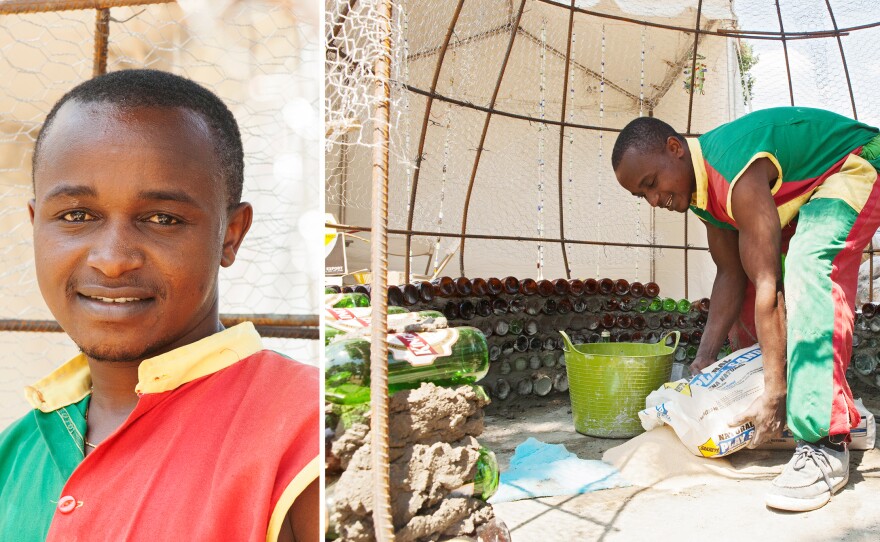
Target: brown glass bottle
626, 303
426, 291
395, 296
479, 287
606, 286
510, 285
703, 305
483, 308
576, 287
410, 294
467, 310
639, 322
667, 321
869, 310
495, 286
696, 336
545, 288
638, 337
637, 289
561, 286
444, 287
347, 289
549, 306
499, 306
621, 287
516, 305
450, 310
463, 286
362, 289
611, 304
652, 289
608, 320
528, 287
624, 337
564, 306
625, 321
591, 287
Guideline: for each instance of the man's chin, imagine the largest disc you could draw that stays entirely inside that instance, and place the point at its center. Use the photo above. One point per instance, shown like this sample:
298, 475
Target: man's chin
115, 354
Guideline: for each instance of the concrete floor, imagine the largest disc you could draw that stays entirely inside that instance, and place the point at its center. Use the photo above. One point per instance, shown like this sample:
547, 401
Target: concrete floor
717, 509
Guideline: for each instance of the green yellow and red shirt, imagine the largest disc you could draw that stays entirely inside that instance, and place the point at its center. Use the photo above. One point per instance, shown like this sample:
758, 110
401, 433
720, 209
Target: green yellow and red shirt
223, 439
807, 146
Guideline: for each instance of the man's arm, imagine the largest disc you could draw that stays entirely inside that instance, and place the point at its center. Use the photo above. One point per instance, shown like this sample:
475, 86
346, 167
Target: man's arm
759, 247
727, 294
301, 522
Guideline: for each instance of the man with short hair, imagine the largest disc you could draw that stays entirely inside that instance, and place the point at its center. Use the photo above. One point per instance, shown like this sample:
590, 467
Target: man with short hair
166, 426
800, 177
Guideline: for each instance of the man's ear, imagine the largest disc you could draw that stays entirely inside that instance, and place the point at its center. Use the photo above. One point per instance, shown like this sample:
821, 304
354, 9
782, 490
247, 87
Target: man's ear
237, 225
31, 205
673, 145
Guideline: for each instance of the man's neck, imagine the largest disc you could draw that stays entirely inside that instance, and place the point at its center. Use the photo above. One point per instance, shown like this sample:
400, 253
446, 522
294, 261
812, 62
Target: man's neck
113, 384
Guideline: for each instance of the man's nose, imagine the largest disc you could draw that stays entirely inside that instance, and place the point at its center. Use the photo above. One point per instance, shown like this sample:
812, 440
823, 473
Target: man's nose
114, 250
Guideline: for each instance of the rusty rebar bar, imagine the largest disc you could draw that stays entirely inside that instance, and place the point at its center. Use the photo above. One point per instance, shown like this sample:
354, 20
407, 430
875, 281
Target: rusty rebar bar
102, 41
382, 521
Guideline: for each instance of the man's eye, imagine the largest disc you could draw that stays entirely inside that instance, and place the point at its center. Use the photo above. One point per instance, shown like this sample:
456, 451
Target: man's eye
77, 216
163, 219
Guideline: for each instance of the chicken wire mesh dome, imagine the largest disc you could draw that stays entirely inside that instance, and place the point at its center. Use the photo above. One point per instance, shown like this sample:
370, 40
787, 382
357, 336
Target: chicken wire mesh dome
504, 114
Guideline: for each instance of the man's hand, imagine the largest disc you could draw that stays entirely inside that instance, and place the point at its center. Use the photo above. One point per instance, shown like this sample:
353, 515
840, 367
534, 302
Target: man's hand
767, 413
700, 363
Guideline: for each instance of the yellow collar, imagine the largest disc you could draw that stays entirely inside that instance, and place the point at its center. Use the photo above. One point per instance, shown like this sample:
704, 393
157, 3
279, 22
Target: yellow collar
72, 381
700, 197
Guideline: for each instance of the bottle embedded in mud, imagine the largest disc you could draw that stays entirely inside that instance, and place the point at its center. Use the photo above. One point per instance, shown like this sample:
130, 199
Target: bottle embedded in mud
446, 357
486, 478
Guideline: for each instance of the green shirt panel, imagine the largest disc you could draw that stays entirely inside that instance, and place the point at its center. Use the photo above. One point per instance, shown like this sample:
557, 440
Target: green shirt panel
805, 141
38, 453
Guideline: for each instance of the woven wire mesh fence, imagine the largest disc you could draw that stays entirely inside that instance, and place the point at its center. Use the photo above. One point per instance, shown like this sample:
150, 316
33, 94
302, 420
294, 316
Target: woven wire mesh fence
263, 59
505, 112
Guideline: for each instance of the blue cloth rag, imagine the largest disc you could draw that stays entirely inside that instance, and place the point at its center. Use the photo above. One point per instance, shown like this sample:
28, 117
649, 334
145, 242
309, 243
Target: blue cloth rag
538, 469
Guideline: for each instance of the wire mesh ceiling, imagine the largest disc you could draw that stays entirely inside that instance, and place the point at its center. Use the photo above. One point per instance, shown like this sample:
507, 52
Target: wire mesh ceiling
505, 113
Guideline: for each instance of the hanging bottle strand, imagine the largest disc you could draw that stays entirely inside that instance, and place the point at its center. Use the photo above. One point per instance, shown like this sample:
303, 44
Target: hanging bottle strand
542, 129
445, 169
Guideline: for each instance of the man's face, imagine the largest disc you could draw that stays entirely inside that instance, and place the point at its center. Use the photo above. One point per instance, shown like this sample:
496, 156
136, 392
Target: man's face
664, 178
131, 227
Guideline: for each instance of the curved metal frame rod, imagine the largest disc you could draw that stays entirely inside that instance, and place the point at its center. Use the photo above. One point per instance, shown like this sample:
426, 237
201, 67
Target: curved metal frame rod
562, 141
508, 114
852, 99
10, 7
750, 34
785, 51
423, 135
467, 200
349, 228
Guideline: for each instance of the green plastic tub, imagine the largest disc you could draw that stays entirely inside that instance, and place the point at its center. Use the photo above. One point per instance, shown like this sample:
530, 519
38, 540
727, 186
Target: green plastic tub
608, 383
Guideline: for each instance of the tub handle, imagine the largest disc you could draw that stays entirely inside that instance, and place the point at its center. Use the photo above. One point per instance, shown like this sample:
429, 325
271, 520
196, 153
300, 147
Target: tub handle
677, 338
567, 345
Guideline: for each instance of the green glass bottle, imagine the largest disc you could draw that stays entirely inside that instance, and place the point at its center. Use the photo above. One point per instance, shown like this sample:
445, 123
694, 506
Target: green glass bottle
669, 304
656, 305
643, 304
446, 357
684, 306
516, 326
486, 478
339, 322
346, 301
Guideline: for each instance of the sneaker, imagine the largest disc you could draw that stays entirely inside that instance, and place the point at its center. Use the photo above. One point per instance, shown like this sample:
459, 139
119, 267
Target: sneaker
810, 478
